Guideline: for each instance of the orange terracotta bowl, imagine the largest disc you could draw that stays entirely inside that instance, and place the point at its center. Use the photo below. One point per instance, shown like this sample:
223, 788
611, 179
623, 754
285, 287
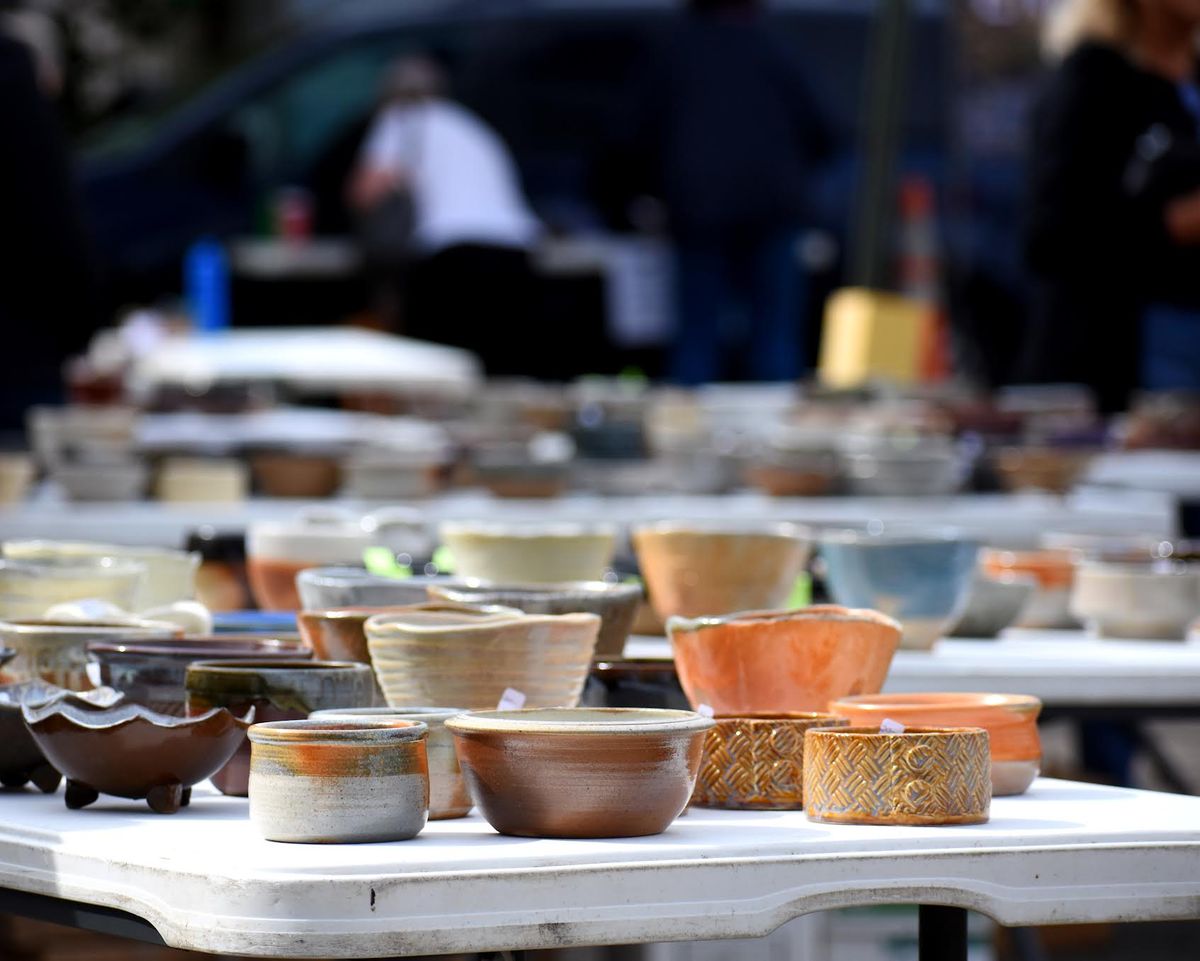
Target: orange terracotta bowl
782, 661
1009, 719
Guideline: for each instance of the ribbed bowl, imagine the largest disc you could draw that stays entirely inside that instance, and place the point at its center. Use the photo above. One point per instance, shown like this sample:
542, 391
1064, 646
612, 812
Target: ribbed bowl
458, 658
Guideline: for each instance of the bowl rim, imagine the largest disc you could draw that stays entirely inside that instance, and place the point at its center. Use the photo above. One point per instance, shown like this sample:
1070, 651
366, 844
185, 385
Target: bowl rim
147, 553
923, 730
527, 530
32, 627
435, 605
473, 586
328, 730
391, 624
121, 714
937, 701
894, 534
427, 714
249, 667
716, 527
341, 575
814, 612
624, 720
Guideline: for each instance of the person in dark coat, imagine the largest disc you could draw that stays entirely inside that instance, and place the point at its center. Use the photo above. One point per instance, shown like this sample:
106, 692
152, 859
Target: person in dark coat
1113, 220
47, 290
731, 132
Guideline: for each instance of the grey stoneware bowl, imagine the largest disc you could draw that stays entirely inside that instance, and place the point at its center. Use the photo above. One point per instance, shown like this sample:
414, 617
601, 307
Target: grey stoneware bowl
328, 588
993, 603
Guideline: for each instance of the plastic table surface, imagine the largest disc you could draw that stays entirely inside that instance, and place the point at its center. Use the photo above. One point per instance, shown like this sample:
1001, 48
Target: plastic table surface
1063, 853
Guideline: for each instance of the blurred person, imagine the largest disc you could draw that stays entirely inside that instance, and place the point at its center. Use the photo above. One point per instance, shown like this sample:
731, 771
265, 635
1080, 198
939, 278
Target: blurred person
47, 290
731, 133
450, 188
1113, 223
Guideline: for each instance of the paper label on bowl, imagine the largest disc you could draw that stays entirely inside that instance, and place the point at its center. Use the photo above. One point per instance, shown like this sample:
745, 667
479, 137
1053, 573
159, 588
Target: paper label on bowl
888, 726
511, 700
704, 710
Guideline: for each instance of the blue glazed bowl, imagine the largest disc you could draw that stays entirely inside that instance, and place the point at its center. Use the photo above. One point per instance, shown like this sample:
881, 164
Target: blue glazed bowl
920, 577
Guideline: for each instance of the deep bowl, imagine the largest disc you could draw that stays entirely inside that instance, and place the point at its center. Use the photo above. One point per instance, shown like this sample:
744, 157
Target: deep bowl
993, 603
448, 795
1054, 572
56, 651
153, 673
695, 569
529, 553
471, 659
921, 578
330, 588
1009, 719
131, 752
615, 604
278, 690
782, 661
1154, 599
583, 772
30, 588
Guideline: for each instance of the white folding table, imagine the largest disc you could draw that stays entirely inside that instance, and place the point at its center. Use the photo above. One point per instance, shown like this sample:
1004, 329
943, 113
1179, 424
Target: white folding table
203, 879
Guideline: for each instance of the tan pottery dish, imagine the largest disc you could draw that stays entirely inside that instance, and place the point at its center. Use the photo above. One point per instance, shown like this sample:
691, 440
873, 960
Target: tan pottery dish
534, 553
782, 661
583, 772
923, 776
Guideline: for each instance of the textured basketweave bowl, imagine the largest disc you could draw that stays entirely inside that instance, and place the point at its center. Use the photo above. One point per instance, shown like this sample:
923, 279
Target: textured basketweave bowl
756, 761
924, 776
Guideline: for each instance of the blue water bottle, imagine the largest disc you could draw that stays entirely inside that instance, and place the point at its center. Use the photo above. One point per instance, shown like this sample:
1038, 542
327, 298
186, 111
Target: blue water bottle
206, 285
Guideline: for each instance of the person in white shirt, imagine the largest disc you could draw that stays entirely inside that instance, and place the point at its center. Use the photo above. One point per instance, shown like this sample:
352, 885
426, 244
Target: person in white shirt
469, 228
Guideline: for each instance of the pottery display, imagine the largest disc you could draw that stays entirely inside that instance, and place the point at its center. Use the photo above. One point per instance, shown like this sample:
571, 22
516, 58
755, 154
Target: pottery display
993, 603
16, 474
28, 589
582, 772
338, 781
278, 690
170, 575
922, 776
132, 752
921, 578
56, 651
1154, 599
1041, 468
153, 673
448, 794
694, 570
1009, 719
1054, 572
21, 760
423, 657
616, 604
529, 553
780, 662
756, 762
333, 588
295, 474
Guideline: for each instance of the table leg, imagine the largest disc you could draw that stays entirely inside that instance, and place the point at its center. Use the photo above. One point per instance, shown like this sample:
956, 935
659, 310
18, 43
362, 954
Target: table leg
941, 933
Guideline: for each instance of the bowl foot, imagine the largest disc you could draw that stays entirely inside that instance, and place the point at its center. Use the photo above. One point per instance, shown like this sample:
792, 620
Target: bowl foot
167, 798
14, 778
45, 778
80, 795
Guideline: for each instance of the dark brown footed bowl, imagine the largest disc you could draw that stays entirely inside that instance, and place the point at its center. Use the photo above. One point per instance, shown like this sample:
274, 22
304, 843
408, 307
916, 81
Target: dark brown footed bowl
580, 772
131, 752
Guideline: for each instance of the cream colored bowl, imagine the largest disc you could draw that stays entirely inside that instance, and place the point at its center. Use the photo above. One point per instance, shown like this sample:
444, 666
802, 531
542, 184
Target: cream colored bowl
533, 554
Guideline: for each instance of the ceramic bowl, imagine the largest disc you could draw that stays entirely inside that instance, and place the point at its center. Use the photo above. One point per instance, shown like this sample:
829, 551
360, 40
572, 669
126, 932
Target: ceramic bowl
115, 481
56, 652
170, 575
533, 553
923, 776
21, 760
332, 781
277, 551
153, 673
756, 762
782, 661
694, 570
28, 589
287, 474
1054, 572
395, 477
1041, 468
471, 659
1146, 600
1009, 719
448, 795
615, 604
917, 473
16, 474
278, 690
205, 480
331, 588
784, 480
131, 752
580, 773
921, 578
993, 603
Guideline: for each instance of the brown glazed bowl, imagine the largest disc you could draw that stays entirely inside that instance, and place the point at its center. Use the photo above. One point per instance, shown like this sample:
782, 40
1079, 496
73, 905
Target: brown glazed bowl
756, 762
616, 604
21, 760
131, 752
782, 661
1009, 719
696, 570
154, 673
278, 690
580, 772
923, 776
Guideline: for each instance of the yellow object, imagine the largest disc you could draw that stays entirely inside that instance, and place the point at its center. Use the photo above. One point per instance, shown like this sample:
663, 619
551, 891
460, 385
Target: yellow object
870, 335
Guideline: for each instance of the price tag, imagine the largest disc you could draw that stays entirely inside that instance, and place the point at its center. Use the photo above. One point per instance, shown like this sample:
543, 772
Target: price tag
704, 709
888, 726
511, 700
